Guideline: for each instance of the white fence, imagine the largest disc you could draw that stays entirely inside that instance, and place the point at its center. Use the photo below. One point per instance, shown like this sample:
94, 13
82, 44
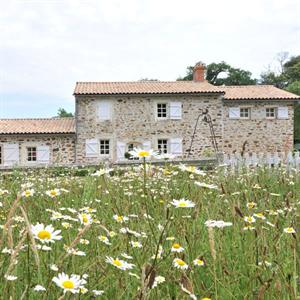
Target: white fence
236, 160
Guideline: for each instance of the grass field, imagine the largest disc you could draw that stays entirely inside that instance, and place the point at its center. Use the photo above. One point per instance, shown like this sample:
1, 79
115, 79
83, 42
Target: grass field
126, 235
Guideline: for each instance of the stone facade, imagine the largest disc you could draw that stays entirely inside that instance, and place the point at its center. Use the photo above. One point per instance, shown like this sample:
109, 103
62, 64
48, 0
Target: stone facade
133, 121
258, 133
61, 148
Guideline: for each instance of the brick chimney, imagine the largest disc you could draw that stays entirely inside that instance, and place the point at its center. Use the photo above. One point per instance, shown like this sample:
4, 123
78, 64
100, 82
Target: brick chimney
199, 72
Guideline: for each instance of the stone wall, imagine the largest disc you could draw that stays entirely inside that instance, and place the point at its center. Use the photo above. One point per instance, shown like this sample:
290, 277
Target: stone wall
259, 133
134, 121
61, 147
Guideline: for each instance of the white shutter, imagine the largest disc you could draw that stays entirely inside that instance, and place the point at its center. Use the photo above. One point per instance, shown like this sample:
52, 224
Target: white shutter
234, 112
176, 146
10, 154
146, 145
175, 110
91, 148
282, 112
43, 154
104, 110
121, 147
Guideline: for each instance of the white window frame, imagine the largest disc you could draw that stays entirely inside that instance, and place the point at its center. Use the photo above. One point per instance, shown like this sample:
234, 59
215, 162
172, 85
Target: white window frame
167, 144
109, 147
27, 154
167, 110
275, 112
247, 108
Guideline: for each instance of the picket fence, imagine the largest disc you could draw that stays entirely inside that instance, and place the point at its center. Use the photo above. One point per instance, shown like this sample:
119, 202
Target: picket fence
237, 160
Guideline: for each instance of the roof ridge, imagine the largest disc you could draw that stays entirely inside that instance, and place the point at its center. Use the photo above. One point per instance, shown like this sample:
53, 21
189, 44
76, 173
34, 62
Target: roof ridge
21, 119
247, 85
145, 81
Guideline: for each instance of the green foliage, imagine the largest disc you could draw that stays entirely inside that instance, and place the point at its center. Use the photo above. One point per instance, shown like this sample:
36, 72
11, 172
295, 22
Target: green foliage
62, 113
234, 76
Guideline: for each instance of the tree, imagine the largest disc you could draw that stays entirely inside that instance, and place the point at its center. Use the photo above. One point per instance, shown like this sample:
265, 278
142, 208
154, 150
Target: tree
222, 73
62, 113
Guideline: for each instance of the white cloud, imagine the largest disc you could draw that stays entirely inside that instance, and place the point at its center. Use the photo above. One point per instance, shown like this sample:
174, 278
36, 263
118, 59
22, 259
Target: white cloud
48, 45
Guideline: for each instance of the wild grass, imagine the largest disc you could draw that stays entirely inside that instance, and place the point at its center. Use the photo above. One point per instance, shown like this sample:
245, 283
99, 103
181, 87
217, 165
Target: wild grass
242, 261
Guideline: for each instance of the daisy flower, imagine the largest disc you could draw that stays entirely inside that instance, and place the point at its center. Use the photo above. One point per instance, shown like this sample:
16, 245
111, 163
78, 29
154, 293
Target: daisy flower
68, 283
134, 244
10, 277
85, 219
119, 263
177, 248
260, 216
39, 288
158, 280
183, 203
198, 262
249, 219
141, 153
219, 224
289, 230
120, 219
27, 193
191, 169
53, 193
180, 264
104, 239
251, 205
45, 234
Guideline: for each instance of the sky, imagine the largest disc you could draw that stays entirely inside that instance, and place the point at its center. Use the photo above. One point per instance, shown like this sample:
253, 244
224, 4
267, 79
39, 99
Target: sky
48, 45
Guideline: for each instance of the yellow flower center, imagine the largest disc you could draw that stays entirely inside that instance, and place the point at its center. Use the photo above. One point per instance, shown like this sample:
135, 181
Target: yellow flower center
44, 235
27, 193
53, 193
68, 284
182, 204
176, 246
144, 153
180, 262
200, 262
117, 263
85, 218
120, 218
290, 229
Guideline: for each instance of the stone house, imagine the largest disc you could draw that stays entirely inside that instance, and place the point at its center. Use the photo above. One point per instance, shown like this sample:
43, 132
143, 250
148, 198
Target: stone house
190, 119
37, 141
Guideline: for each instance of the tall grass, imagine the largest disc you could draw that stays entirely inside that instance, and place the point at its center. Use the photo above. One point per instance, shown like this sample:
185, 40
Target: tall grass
262, 263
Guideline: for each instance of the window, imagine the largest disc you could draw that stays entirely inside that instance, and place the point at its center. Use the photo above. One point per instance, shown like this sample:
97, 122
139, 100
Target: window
245, 112
161, 110
104, 147
31, 153
0, 155
270, 112
162, 146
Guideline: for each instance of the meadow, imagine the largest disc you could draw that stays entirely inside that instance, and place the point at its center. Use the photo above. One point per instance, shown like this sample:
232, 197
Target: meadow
150, 232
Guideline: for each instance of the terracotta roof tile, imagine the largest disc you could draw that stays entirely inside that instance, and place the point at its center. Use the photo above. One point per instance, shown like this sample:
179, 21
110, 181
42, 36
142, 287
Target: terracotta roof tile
251, 92
37, 126
144, 87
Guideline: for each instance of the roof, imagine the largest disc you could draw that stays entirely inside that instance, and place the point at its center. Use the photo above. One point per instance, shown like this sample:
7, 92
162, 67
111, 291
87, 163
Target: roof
261, 92
37, 126
144, 87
